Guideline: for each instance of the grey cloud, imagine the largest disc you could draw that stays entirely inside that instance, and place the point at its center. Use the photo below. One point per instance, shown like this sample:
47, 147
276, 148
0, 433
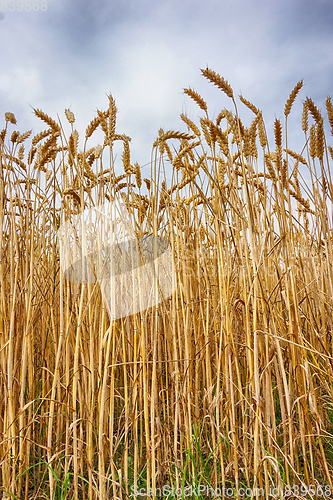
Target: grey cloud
145, 52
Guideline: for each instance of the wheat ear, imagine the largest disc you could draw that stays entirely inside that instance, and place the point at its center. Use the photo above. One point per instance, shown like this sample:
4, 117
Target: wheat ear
292, 97
196, 98
219, 81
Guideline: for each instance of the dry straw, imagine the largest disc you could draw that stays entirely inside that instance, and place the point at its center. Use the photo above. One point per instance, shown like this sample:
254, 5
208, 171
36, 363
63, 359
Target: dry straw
292, 98
227, 382
219, 81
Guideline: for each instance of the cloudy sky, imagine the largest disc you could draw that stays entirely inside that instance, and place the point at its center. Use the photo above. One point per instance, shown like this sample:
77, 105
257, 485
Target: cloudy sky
145, 52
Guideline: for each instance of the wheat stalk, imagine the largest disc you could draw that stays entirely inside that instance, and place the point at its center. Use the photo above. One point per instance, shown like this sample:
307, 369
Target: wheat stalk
210, 378
219, 81
292, 97
197, 98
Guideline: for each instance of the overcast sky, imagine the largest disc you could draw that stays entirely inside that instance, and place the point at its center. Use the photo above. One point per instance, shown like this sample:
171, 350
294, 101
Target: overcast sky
145, 52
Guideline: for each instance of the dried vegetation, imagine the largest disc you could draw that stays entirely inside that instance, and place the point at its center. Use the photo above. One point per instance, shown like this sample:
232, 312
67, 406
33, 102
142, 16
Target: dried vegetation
229, 382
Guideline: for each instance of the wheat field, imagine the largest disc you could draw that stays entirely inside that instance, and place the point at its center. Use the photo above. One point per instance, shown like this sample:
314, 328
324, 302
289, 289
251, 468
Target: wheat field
229, 381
